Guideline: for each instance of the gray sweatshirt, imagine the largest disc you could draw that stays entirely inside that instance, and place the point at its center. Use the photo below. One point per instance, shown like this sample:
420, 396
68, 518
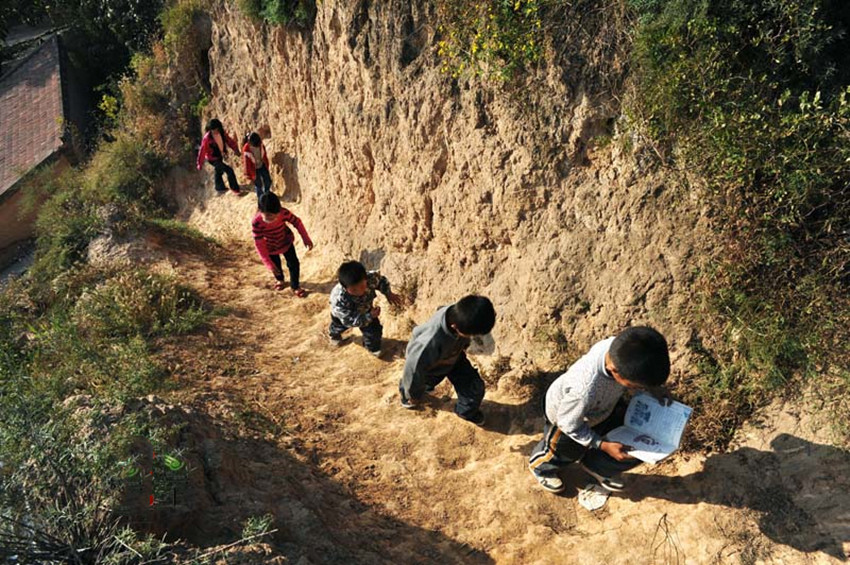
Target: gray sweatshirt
433, 349
584, 396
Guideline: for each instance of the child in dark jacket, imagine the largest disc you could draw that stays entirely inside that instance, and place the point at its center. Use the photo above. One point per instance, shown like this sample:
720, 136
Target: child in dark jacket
213, 150
352, 305
437, 350
273, 238
256, 163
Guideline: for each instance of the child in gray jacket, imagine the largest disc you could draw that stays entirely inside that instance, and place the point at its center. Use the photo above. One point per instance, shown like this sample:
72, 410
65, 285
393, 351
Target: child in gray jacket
437, 350
580, 407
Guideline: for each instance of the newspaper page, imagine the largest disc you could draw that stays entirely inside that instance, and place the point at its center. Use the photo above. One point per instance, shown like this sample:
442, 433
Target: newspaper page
652, 430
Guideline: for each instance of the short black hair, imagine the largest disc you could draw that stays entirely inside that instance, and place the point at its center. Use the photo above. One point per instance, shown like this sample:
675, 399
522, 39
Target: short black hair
214, 124
350, 273
254, 139
473, 315
640, 356
269, 203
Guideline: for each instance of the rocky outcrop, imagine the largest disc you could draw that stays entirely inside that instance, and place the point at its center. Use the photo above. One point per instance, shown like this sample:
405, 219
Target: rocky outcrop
524, 192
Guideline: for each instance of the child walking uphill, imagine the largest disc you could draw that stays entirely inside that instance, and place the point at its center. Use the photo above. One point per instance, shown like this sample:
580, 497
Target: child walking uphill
213, 150
580, 407
437, 350
256, 163
352, 305
273, 238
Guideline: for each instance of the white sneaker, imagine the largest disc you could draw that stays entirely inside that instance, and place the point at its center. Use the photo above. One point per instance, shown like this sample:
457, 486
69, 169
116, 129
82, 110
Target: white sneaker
552, 484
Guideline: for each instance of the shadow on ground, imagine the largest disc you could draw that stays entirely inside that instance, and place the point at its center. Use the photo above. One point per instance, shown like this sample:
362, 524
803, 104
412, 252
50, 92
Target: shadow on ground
800, 489
230, 479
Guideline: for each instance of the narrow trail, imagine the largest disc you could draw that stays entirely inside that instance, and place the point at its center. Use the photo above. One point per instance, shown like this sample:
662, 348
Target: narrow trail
425, 486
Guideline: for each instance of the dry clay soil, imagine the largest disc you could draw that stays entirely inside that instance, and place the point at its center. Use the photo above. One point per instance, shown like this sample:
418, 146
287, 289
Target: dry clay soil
350, 476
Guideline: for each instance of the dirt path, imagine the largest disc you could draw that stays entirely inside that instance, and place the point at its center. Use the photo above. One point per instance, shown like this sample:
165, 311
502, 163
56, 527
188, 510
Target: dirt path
425, 486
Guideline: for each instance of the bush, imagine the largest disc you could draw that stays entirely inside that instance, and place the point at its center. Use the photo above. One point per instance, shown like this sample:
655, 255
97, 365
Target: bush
300, 13
754, 97
138, 303
494, 38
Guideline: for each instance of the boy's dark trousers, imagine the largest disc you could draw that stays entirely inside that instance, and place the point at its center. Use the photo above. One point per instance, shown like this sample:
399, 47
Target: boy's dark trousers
263, 181
222, 169
292, 264
372, 332
467, 383
557, 450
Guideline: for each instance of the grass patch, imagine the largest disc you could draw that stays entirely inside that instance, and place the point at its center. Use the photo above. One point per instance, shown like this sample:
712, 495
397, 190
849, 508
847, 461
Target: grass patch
61, 480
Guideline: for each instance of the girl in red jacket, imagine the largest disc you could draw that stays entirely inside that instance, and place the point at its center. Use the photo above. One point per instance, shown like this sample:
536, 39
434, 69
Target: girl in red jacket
213, 149
256, 163
273, 238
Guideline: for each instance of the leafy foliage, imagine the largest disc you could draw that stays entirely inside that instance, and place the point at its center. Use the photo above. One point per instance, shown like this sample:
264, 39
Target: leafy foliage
494, 38
754, 97
300, 13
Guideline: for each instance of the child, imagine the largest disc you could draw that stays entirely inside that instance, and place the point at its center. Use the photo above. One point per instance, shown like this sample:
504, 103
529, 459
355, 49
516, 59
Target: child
579, 407
437, 350
272, 237
256, 163
352, 305
213, 149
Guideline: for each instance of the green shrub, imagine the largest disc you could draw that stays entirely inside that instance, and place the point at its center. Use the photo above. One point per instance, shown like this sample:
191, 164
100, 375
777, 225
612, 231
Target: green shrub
177, 20
138, 303
754, 97
494, 38
300, 13
126, 171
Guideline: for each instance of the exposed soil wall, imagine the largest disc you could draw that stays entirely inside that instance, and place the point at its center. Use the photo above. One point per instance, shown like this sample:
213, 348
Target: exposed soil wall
451, 186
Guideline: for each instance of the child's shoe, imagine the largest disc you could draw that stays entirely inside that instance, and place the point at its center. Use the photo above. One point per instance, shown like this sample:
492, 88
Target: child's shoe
406, 402
336, 340
552, 484
613, 485
376, 353
476, 418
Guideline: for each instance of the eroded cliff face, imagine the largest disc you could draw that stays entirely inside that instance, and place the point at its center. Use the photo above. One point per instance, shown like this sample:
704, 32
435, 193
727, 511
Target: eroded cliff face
451, 186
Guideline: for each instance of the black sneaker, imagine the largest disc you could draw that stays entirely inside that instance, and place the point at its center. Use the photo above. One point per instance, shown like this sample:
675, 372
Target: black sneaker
406, 403
476, 418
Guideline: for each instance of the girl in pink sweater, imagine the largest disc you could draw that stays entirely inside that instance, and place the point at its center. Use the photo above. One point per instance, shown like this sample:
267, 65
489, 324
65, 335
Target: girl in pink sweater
273, 238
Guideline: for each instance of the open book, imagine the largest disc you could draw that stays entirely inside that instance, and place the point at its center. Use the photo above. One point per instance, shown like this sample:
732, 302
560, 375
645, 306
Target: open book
652, 430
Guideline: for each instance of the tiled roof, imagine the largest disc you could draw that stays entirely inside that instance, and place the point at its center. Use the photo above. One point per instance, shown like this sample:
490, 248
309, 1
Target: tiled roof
31, 113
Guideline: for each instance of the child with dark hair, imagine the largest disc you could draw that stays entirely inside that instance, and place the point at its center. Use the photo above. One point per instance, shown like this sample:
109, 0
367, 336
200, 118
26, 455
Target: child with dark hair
580, 407
213, 149
352, 305
437, 350
273, 238
256, 163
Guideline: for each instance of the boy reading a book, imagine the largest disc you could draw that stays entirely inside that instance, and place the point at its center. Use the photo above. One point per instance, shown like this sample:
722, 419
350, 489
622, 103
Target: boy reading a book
580, 407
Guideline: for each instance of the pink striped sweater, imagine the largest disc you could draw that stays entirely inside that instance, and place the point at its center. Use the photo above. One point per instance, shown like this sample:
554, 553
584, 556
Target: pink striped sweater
275, 238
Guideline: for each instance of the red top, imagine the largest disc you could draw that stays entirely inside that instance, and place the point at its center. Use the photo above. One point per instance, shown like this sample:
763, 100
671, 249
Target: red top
275, 238
248, 160
210, 150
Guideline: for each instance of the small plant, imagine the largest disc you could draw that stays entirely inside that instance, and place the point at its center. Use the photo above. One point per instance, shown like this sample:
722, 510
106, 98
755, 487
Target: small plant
257, 525
299, 13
